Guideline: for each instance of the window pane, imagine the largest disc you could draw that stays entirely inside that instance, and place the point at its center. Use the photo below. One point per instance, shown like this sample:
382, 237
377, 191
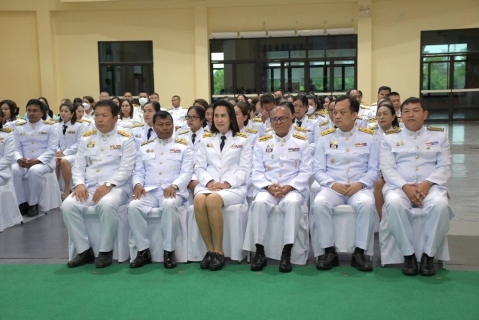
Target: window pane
439, 78
317, 47
459, 75
344, 75
341, 46
450, 41
270, 77
119, 79
245, 78
294, 78
126, 51
437, 105
240, 49
466, 106
223, 79
319, 75
282, 48
425, 76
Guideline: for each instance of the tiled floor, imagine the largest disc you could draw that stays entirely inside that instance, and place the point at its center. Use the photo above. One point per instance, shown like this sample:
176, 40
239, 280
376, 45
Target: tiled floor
44, 239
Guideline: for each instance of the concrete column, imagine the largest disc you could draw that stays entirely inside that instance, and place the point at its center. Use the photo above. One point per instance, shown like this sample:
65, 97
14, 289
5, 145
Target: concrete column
202, 78
365, 60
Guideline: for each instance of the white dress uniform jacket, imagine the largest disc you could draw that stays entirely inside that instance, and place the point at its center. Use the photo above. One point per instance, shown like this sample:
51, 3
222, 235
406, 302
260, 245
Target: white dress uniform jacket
178, 115
101, 157
7, 151
409, 157
232, 165
346, 158
160, 164
140, 134
34, 141
306, 128
68, 142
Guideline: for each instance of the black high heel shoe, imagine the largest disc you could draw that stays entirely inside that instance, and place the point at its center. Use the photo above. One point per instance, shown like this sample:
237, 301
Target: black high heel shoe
217, 262
205, 263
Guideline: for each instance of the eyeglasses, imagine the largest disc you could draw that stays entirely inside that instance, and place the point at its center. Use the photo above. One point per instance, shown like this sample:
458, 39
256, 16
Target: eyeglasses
277, 119
191, 118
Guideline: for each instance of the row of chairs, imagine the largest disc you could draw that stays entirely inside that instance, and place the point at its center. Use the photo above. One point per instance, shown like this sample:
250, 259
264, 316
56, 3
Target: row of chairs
238, 238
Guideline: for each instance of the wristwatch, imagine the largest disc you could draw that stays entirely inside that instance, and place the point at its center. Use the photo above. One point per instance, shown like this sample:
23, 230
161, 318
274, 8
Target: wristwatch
174, 186
109, 185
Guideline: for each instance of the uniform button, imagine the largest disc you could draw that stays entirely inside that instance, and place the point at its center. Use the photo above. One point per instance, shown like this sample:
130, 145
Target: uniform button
102, 149
417, 181
349, 181
281, 165
415, 137
347, 149
417, 148
347, 161
161, 153
33, 142
32, 135
347, 170
347, 139
104, 139
280, 175
160, 184
164, 144
282, 144
33, 151
99, 160
417, 157
411, 133
415, 168
160, 173
97, 170
219, 167
282, 156
161, 162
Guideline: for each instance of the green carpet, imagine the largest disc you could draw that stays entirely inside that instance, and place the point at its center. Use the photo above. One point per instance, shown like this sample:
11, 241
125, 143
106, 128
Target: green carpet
187, 292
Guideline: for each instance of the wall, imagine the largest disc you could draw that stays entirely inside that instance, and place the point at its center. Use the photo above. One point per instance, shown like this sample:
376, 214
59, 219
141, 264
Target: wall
19, 64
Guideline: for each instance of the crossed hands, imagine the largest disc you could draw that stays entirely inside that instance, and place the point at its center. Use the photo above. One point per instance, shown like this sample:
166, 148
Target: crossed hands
27, 163
279, 191
217, 186
347, 189
417, 192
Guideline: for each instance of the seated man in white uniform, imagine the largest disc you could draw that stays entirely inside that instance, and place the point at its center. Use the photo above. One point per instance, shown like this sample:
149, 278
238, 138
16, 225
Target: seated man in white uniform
346, 166
281, 171
101, 178
36, 142
177, 112
173, 159
416, 163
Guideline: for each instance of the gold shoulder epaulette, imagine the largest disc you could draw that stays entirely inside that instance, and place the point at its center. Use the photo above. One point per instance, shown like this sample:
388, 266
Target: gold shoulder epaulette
241, 134
20, 123
299, 136
207, 131
206, 135
183, 132
326, 132
360, 117
86, 120
48, 122
374, 127
89, 133
322, 111
19, 118
312, 117
325, 122
7, 130
137, 125
365, 130
55, 121
251, 130
300, 129
79, 121
435, 129
257, 120
135, 105
264, 138
372, 120
124, 133
374, 103
182, 141
364, 107
147, 141
396, 130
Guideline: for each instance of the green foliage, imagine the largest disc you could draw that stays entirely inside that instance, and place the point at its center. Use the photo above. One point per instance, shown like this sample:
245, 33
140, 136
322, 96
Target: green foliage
218, 81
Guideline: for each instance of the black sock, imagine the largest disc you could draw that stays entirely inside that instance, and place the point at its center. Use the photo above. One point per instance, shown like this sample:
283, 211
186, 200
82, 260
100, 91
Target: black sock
330, 249
358, 250
259, 249
287, 250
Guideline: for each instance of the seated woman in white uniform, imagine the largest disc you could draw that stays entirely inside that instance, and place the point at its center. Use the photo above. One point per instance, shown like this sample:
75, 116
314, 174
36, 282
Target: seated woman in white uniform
9, 108
127, 117
7, 150
70, 131
195, 119
387, 120
223, 165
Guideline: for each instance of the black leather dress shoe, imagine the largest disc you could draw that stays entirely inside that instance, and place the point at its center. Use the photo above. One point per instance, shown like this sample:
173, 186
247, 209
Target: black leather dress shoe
104, 259
259, 262
205, 263
82, 258
427, 266
327, 261
169, 259
217, 261
32, 211
360, 262
24, 208
142, 257
410, 265
285, 264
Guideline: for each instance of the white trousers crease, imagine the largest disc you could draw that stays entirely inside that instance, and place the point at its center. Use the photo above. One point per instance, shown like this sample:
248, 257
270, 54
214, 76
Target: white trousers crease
35, 181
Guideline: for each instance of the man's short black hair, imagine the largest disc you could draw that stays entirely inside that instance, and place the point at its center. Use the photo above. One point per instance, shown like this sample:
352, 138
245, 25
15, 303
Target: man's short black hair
266, 98
414, 100
108, 103
279, 89
394, 93
143, 91
353, 103
43, 106
162, 115
384, 88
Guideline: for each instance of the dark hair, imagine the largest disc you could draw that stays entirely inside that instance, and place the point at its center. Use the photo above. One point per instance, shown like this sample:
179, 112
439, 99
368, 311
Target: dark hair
266, 98
175, 96
254, 101
289, 105
209, 106
201, 112
245, 98
156, 105
303, 98
413, 100
360, 93
162, 115
72, 109
117, 98
243, 106
388, 104
231, 113
1, 116
108, 103
12, 106
384, 88
132, 110
90, 99
143, 91
394, 93
154, 93
353, 103
43, 106
201, 102
46, 101
77, 100
350, 90
104, 91
279, 89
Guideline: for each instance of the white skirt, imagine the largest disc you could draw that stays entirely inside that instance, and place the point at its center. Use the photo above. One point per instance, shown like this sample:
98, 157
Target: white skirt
70, 158
229, 196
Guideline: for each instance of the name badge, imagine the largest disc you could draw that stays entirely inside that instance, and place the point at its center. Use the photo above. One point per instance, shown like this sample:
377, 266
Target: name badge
362, 144
237, 146
175, 150
434, 143
293, 149
41, 132
91, 144
115, 147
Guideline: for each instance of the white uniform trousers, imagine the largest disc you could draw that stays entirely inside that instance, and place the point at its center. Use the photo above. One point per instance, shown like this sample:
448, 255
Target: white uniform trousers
322, 235
262, 207
436, 209
106, 208
35, 181
138, 211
